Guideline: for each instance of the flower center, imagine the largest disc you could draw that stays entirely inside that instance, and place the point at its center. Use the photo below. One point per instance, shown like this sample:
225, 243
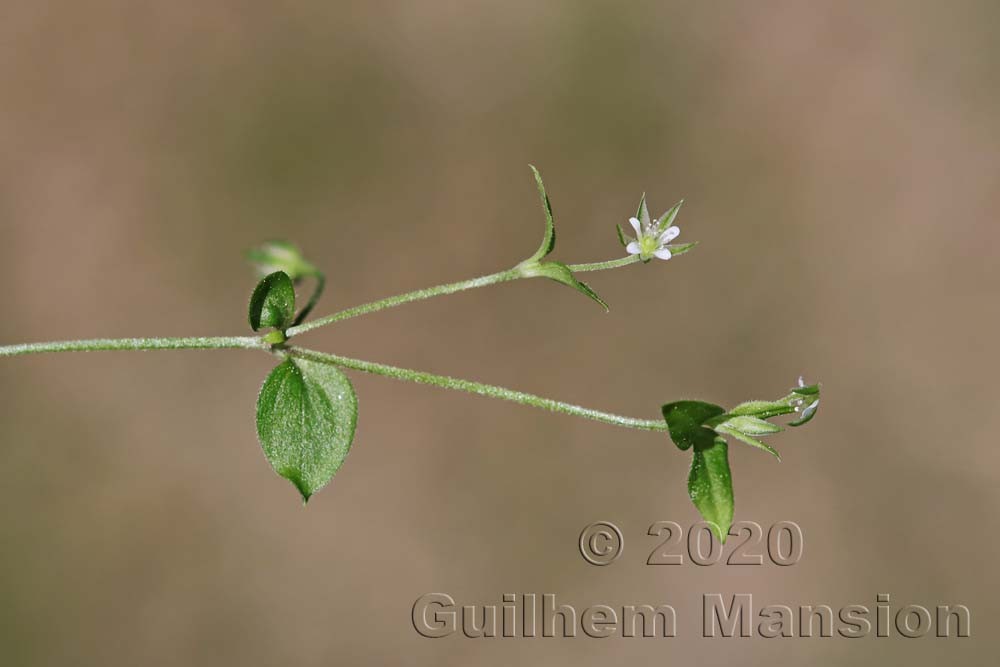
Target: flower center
648, 245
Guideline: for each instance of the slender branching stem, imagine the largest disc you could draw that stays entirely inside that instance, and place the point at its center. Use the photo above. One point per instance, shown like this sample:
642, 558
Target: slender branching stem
469, 386
601, 266
449, 288
198, 343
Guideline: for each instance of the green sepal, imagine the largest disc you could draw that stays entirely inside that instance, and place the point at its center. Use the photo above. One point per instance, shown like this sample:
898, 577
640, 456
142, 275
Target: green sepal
667, 218
680, 248
306, 416
726, 428
710, 486
751, 425
810, 390
549, 239
686, 423
560, 273
272, 303
621, 236
642, 213
807, 414
761, 409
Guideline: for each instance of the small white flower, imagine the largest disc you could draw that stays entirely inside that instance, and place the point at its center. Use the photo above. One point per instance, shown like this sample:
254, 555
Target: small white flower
651, 238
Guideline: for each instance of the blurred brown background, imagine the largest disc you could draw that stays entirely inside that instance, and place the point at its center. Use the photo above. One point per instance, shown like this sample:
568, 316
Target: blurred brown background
839, 163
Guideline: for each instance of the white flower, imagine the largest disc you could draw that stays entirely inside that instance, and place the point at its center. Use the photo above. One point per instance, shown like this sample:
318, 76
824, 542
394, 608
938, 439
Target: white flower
651, 238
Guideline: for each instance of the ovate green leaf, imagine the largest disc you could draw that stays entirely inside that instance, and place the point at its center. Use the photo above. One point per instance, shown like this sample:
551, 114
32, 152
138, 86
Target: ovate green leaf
685, 421
306, 414
272, 303
710, 486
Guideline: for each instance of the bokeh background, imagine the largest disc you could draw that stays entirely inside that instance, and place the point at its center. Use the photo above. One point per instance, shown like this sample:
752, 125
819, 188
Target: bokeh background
839, 162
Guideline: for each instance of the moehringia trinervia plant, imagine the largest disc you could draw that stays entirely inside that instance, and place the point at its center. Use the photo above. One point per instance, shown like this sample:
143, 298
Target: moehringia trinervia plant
307, 408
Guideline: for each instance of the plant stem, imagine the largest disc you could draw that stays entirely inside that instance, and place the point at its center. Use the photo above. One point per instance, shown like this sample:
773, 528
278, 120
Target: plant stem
314, 299
601, 266
491, 391
389, 302
450, 288
199, 343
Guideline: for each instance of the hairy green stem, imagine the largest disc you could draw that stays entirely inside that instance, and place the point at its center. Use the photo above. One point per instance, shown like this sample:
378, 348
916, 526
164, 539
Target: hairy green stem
491, 391
199, 343
449, 288
417, 295
601, 266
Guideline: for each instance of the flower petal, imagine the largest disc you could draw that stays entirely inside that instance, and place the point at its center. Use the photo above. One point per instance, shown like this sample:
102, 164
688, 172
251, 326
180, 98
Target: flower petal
669, 235
633, 248
636, 226
663, 253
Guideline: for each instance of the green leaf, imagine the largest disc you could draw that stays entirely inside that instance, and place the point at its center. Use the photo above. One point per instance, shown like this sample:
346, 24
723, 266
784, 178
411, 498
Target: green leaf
560, 273
272, 303
667, 218
549, 240
306, 414
810, 390
685, 422
710, 485
280, 256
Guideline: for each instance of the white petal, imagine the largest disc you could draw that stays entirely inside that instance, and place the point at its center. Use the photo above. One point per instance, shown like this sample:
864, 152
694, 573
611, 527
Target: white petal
633, 248
669, 235
636, 226
663, 253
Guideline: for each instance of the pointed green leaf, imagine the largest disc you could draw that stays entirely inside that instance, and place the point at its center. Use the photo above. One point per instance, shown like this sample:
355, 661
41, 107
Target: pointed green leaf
667, 218
560, 273
272, 303
725, 429
549, 239
710, 485
685, 422
280, 256
810, 390
306, 414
